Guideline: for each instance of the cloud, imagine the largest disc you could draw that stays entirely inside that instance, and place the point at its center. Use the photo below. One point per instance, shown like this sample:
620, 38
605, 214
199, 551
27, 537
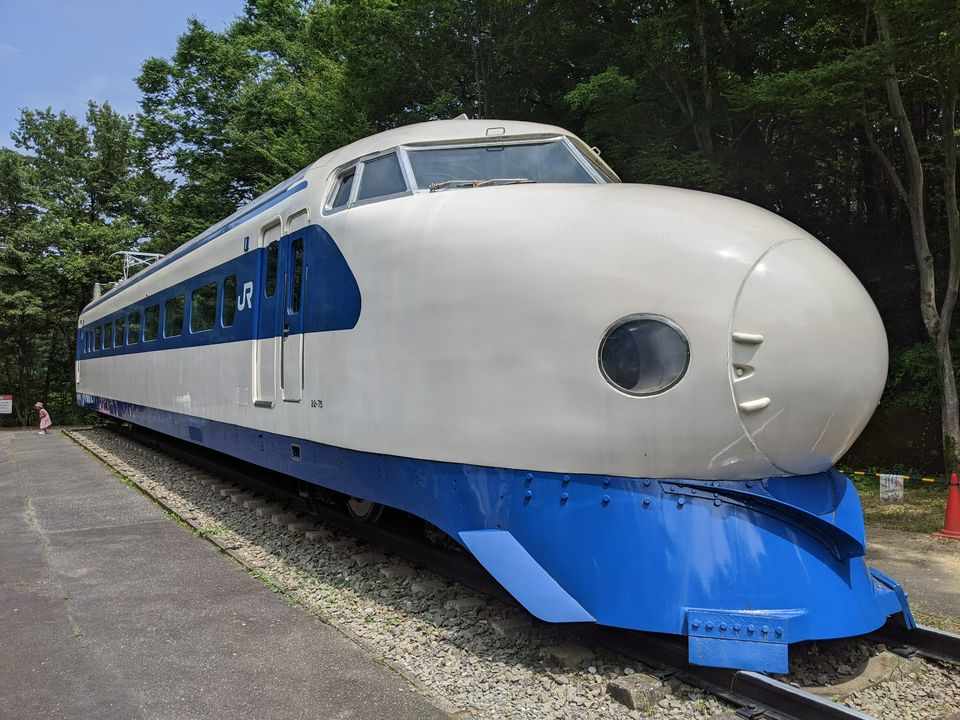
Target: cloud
8, 52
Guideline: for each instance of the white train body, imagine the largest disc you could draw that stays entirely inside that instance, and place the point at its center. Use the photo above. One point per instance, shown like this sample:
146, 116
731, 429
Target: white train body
525, 279
473, 333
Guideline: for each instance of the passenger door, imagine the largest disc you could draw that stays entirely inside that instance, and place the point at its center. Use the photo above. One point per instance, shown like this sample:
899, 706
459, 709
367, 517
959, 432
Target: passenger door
267, 350
295, 285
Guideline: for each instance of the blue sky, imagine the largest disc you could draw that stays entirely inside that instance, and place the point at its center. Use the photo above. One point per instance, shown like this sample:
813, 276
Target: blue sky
62, 53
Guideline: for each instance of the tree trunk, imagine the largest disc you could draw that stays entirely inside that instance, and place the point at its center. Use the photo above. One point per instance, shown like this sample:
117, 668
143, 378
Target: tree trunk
949, 406
936, 321
950, 412
705, 130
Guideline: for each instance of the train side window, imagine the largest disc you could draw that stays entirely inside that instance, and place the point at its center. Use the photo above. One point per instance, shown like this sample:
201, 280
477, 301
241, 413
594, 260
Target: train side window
270, 281
229, 310
119, 340
296, 274
151, 323
344, 186
173, 316
203, 308
107, 335
97, 338
133, 328
381, 177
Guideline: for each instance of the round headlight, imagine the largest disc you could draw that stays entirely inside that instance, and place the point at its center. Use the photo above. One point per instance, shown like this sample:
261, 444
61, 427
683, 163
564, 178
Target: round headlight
644, 354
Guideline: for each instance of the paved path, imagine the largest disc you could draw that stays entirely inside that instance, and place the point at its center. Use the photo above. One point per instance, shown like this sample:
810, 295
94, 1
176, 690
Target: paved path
110, 610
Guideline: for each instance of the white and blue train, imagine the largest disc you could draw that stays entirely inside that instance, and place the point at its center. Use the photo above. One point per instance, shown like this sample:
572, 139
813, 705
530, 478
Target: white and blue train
624, 400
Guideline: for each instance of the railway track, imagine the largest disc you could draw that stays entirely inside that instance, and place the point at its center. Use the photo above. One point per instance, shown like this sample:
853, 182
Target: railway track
927, 642
754, 695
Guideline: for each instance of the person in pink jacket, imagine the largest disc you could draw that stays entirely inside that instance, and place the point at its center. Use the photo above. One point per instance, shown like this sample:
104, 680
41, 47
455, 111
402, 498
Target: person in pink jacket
45, 420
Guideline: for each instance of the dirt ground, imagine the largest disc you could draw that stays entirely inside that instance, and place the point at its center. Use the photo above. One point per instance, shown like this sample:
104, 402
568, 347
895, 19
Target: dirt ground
928, 567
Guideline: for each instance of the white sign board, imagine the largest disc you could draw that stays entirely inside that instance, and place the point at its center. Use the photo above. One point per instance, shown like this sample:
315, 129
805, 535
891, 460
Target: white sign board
6, 404
891, 488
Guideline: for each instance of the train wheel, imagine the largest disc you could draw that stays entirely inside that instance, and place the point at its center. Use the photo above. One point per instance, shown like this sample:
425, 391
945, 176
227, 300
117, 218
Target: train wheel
364, 510
438, 537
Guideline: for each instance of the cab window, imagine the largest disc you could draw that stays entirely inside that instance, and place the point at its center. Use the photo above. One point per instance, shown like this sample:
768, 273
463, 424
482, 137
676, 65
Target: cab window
344, 186
381, 177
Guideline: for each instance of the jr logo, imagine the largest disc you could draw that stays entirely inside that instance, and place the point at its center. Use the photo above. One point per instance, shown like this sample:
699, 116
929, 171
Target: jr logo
245, 299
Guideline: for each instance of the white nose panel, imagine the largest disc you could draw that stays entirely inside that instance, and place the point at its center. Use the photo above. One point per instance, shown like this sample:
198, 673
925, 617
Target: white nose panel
808, 356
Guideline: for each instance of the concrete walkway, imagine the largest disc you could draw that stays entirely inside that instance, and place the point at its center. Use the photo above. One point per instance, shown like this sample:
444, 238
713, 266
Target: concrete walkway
110, 610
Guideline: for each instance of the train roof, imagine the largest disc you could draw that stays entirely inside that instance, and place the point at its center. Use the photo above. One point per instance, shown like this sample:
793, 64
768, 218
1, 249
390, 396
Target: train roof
441, 131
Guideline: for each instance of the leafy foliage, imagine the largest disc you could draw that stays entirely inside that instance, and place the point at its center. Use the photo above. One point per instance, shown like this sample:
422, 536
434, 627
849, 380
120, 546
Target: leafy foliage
234, 113
912, 378
72, 196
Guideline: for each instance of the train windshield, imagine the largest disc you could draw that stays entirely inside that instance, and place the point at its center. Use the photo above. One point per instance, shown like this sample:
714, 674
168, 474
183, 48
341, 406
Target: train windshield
553, 161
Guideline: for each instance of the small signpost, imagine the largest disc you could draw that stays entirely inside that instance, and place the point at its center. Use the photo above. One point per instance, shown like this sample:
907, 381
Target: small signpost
6, 404
891, 488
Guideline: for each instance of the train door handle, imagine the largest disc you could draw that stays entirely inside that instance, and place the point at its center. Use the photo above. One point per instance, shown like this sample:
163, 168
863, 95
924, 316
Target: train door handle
286, 330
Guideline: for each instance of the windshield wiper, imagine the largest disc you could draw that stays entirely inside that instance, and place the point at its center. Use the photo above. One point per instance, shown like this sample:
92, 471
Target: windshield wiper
434, 187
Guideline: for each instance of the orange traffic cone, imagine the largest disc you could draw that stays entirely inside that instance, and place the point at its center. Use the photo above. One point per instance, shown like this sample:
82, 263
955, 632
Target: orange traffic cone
951, 520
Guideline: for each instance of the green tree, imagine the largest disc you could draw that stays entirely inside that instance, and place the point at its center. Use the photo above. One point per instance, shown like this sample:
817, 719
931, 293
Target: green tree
920, 43
875, 84
71, 195
233, 113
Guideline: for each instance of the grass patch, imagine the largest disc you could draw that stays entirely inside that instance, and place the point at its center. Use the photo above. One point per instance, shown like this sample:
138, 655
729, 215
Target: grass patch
921, 511
271, 585
935, 621
212, 530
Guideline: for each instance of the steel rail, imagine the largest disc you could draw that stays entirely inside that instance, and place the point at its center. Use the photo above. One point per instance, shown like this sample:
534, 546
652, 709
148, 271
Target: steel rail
925, 641
755, 694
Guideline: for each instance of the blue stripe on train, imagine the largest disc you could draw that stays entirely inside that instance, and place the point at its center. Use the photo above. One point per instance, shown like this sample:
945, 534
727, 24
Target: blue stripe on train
211, 234
330, 299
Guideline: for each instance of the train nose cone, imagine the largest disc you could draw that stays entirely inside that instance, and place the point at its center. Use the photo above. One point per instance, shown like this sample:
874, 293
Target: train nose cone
808, 356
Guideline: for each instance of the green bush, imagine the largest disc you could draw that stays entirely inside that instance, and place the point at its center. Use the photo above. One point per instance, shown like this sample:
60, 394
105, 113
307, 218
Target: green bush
912, 380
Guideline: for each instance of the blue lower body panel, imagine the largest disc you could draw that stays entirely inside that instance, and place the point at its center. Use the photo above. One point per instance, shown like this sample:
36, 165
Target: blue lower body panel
741, 568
